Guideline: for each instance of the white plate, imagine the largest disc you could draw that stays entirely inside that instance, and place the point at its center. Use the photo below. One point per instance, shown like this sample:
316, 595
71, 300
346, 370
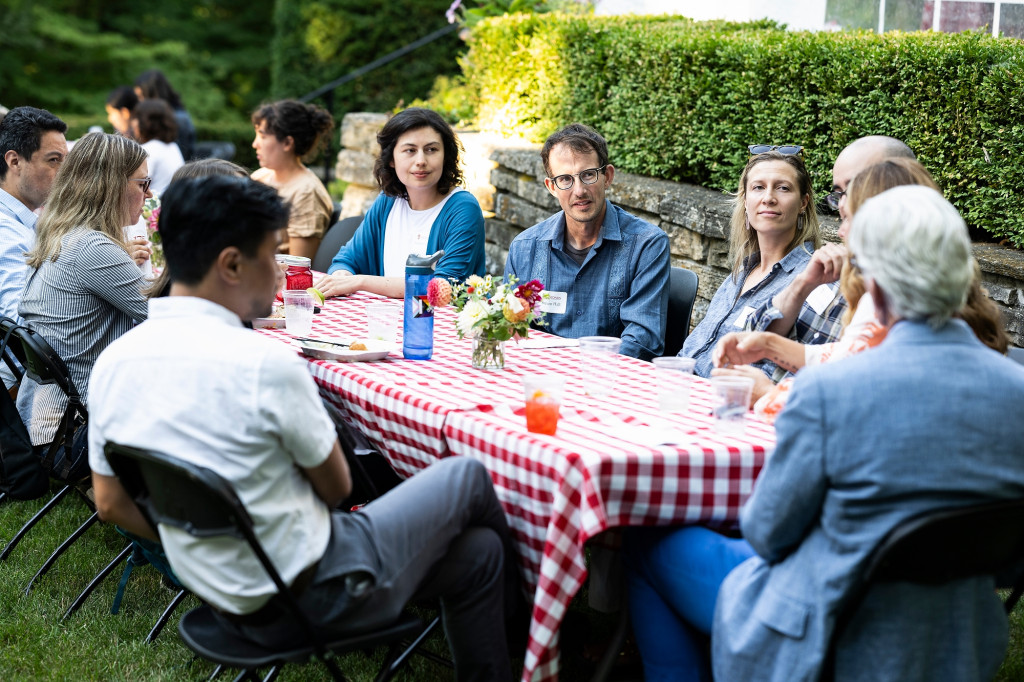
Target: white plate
375, 350
268, 323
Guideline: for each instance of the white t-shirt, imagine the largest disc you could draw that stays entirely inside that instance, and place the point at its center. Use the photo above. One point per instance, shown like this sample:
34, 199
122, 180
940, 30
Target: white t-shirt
407, 231
191, 382
164, 159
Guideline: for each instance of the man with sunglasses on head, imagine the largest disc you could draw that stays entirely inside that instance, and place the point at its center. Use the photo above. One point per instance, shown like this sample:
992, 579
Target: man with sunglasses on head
810, 309
606, 271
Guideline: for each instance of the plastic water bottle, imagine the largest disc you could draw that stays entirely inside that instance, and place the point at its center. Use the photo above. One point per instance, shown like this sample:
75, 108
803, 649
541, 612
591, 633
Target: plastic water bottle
418, 323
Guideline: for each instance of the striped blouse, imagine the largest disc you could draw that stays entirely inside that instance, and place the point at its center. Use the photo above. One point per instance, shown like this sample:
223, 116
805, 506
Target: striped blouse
79, 303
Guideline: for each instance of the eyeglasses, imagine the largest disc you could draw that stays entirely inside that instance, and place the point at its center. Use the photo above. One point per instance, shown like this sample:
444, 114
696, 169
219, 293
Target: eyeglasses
833, 198
786, 149
587, 177
144, 182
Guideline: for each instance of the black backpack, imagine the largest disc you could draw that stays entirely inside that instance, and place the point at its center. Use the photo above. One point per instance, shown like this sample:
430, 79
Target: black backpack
22, 476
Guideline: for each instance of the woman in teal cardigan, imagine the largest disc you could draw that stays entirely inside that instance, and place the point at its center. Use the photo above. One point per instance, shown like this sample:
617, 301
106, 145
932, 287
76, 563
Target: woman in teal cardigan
421, 210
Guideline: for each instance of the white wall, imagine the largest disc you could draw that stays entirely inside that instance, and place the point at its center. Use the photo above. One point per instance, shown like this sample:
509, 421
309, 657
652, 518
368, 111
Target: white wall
797, 14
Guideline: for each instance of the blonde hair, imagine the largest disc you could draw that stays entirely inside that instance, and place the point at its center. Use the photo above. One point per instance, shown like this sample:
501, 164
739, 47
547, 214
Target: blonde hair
869, 182
91, 191
743, 241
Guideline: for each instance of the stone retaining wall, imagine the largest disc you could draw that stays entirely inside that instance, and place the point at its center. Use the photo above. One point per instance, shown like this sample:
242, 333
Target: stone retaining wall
507, 178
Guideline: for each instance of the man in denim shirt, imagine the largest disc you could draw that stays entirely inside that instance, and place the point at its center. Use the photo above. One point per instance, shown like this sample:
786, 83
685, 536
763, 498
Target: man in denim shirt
606, 271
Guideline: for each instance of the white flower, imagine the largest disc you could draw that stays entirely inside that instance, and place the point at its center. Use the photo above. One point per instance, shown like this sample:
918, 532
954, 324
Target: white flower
470, 315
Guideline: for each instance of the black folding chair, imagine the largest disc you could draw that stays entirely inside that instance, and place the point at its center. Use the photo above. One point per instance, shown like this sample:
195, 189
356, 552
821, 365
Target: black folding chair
337, 235
944, 545
42, 365
200, 502
682, 293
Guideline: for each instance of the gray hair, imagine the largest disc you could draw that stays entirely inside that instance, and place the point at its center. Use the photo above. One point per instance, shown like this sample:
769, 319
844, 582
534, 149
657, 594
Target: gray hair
914, 244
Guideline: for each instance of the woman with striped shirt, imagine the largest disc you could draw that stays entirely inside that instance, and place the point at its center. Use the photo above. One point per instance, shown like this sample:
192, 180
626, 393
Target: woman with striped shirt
83, 287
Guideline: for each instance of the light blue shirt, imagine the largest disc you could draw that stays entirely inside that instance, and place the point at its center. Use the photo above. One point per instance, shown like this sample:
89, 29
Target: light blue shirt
620, 290
729, 309
17, 236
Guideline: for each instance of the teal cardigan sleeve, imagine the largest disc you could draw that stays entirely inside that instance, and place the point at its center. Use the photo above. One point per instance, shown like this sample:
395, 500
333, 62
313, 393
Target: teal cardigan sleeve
364, 253
459, 230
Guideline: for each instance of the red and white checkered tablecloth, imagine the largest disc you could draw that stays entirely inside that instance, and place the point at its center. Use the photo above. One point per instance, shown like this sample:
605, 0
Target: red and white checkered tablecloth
602, 470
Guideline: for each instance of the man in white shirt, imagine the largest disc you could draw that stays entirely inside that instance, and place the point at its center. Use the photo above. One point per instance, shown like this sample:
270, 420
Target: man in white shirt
32, 148
194, 383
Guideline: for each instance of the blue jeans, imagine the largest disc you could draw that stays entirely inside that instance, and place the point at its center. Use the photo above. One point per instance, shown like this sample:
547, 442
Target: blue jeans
673, 577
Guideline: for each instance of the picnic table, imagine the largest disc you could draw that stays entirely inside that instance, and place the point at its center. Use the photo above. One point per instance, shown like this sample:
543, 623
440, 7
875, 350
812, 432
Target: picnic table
615, 460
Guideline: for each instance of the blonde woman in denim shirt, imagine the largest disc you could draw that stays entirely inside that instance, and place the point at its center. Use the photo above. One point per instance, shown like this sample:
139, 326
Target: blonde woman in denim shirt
774, 230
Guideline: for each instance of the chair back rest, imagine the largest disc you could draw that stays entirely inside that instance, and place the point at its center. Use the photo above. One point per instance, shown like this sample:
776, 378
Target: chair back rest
337, 236
10, 348
178, 493
43, 365
682, 294
949, 544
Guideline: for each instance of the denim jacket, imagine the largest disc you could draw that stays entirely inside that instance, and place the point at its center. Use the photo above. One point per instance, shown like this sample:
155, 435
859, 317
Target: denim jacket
729, 309
620, 290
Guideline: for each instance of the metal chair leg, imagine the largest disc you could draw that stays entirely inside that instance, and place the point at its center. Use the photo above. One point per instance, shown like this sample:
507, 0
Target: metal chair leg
272, 674
33, 521
165, 616
75, 605
60, 550
389, 670
3, 496
607, 662
216, 673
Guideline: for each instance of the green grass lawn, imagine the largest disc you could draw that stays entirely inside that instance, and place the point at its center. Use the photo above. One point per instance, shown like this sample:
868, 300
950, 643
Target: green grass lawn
95, 645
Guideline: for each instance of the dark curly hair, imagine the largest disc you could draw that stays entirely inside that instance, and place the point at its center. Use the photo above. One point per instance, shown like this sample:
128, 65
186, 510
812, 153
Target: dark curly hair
581, 139
401, 123
307, 124
156, 121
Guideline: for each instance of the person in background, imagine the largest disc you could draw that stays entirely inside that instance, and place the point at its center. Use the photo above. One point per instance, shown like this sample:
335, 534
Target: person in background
773, 235
153, 84
32, 149
287, 132
200, 168
120, 103
83, 289
809, 309
606, 272
440, 534
863, 445
421, 210
154, 126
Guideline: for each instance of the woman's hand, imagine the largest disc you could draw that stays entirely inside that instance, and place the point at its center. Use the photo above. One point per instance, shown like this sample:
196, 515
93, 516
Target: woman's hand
138, 249
740, 348
762, 384
340, 283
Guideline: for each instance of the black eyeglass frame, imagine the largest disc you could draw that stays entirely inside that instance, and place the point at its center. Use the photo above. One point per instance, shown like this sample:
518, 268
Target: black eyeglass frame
572, 177
834, 197
145, 182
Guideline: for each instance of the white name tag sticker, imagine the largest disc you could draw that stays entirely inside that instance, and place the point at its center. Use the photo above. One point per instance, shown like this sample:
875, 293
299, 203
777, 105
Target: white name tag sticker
820, 298
741, 321
553, 302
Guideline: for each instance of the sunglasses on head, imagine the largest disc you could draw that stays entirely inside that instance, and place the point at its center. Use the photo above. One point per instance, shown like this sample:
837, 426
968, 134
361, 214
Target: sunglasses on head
787, 149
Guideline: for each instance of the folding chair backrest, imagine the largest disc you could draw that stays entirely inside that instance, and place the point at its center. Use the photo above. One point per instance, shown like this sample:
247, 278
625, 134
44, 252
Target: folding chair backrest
682, 294
13, 354
43, 364
179, 494
950, 544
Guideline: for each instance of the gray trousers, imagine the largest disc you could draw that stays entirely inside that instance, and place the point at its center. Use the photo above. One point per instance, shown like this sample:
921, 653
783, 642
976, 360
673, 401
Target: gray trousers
440, 534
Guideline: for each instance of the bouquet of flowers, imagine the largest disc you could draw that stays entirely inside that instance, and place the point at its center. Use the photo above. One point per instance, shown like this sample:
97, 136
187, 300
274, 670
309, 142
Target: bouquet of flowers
491, 311
151, 214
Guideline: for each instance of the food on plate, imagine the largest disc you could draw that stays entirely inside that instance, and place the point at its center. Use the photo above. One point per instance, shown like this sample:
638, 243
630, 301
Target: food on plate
357, 345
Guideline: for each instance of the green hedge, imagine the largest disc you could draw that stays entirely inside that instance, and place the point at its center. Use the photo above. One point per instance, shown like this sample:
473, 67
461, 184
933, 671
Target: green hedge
681, 100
